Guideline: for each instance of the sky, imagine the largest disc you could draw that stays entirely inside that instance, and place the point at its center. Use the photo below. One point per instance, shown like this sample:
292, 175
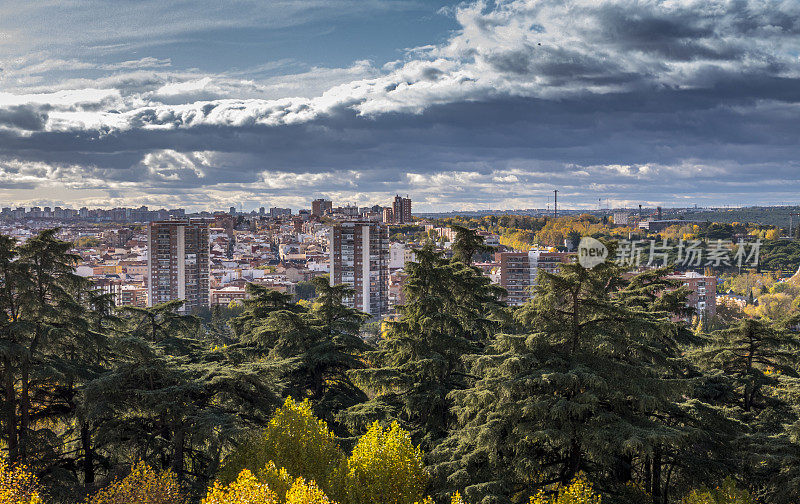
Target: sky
206, 104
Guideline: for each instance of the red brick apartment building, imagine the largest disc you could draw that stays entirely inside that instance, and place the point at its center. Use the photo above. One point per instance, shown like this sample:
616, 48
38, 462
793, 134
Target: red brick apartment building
703, 292
401, 210
518, 271
133, 295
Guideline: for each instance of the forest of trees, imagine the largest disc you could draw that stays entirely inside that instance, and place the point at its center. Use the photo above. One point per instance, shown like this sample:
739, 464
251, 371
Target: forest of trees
597, 390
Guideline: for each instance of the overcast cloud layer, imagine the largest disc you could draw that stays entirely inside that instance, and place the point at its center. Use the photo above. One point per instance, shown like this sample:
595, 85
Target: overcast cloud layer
625, 101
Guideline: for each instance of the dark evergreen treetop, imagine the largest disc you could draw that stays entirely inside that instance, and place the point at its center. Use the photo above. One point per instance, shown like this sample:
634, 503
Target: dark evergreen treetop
311, 347
580, 392
467, 243
756, 365
451, 310
49, 349
172, 397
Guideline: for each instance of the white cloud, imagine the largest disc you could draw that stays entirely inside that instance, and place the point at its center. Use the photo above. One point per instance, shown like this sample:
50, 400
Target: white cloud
67, 99
532, 48
169, 165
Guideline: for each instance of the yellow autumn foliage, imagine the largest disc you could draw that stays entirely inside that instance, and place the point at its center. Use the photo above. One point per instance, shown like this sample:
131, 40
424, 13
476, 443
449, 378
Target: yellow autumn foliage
143, 486
279, 480
306, 493
385, 468
517, 240
295, 440
17, 485
579, 491
726, 493
456, 499
245, 490
774, 307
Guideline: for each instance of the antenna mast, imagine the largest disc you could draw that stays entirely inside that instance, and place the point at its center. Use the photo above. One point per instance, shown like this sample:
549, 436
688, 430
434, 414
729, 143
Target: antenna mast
555, 203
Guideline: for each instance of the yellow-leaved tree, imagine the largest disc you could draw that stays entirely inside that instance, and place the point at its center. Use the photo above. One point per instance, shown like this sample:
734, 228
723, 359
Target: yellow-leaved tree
385, 468
303, 492
294, 440
279, 480
579, 491
143, 485
457, 499
17, 486
298, 459
245, 490
726, 493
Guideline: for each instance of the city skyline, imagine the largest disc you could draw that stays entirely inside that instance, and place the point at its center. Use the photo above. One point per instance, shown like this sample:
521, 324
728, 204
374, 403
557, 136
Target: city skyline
308, 206
465, 106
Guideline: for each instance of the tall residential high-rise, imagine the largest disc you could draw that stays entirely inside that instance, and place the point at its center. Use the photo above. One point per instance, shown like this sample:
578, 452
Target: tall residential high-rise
178, 262
320, 207
518, 271
387, 215
401, 210
359, 256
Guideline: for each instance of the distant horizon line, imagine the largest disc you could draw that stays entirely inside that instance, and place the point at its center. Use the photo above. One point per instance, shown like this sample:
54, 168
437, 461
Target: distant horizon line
561, 209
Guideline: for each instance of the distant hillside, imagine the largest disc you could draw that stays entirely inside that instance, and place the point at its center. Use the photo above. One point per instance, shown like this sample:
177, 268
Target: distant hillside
773, 216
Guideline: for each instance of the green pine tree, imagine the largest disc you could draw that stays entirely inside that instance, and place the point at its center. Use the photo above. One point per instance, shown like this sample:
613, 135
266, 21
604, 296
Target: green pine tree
49, 349
755, 364
579, 392
311, 348
705, 448
451, 310
466, 244
173, 397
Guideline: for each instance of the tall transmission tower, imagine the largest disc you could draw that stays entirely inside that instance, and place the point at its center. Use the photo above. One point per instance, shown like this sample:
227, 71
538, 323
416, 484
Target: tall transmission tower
555, 202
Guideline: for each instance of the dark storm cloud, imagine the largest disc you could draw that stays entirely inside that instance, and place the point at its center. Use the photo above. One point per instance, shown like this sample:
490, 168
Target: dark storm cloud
23, 117
653, 126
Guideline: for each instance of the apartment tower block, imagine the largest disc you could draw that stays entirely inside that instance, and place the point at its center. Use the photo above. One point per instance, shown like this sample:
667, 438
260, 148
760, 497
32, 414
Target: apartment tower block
401, 210
178, 262
359, 256
320, 207
518, 271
